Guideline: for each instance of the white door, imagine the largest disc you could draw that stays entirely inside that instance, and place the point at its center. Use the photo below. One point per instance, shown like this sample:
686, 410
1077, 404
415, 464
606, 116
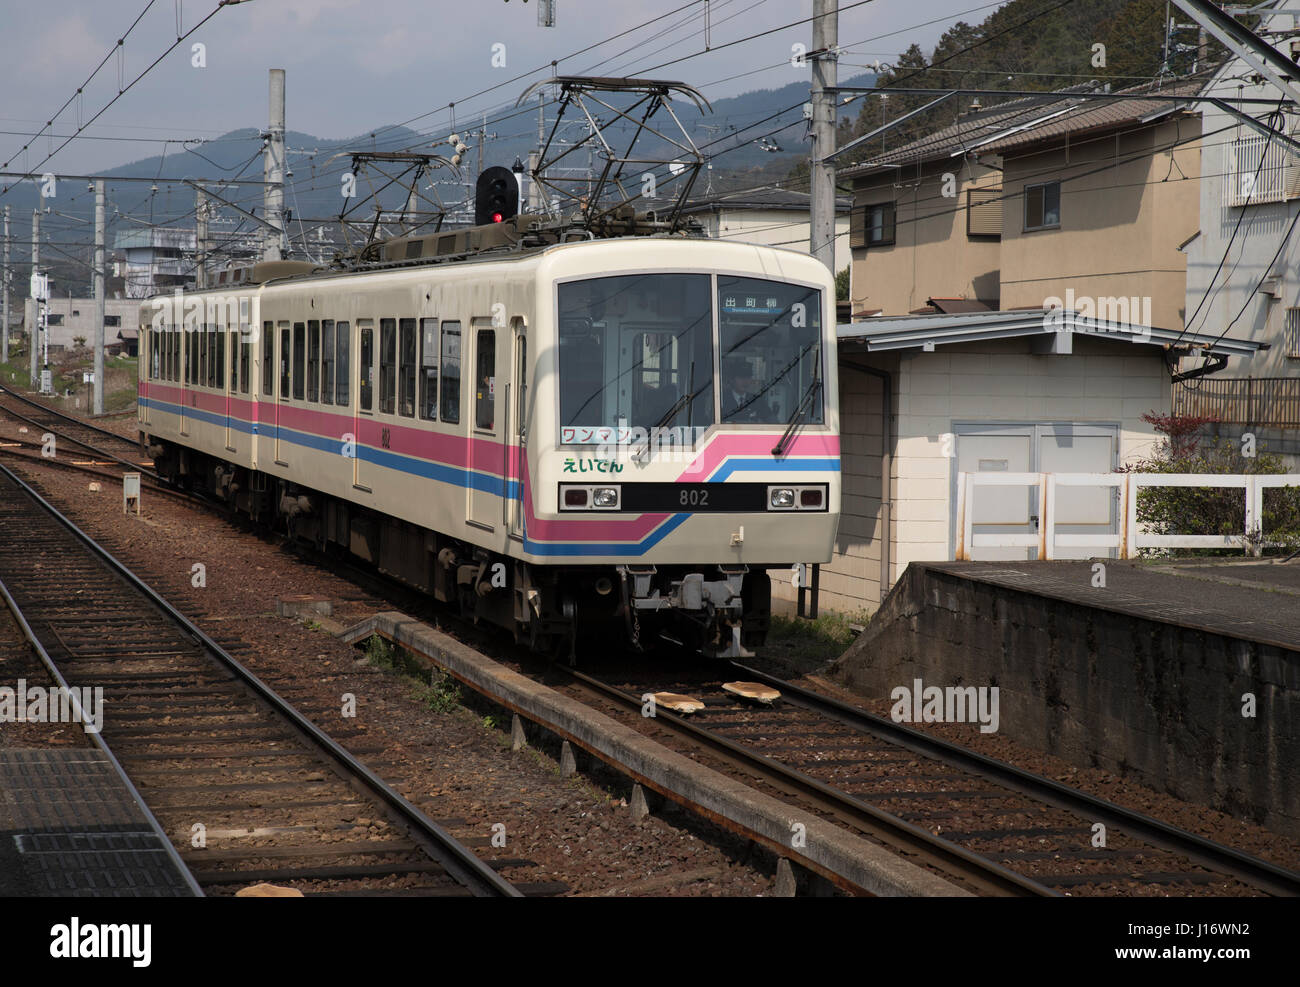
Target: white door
999, 510
1081, 510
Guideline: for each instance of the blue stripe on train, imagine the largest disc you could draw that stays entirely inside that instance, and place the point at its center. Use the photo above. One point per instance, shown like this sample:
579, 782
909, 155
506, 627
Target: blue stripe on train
487, 483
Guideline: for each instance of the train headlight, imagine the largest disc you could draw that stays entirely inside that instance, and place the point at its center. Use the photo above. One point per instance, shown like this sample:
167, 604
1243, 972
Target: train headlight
781, 497
604, 497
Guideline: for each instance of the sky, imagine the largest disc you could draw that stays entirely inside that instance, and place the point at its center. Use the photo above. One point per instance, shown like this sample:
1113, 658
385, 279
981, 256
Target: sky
355, 65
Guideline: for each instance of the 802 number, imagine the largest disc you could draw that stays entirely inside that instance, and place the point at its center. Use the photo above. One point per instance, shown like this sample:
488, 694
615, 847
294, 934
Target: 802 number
693, 497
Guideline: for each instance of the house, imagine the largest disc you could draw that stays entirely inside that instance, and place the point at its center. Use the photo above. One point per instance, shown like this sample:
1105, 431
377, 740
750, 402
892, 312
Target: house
71, 319
772, 216
1243, 263
1025, 261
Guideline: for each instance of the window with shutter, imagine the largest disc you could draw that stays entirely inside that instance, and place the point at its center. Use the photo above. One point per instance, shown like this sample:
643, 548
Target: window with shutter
1292, 331
984, 212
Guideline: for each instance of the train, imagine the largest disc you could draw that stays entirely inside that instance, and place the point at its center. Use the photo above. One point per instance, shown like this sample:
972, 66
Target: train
617, 438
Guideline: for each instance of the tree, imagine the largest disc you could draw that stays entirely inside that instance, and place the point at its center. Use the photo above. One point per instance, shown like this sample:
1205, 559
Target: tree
842, 285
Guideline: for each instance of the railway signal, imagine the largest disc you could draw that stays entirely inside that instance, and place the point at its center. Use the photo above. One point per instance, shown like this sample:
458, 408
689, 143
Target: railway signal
496, 196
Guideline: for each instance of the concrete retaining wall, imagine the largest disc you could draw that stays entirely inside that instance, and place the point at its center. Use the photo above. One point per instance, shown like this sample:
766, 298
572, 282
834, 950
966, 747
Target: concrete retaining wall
1156, 702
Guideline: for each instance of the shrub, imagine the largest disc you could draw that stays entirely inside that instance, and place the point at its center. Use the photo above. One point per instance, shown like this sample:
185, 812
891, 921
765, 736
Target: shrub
1210, 510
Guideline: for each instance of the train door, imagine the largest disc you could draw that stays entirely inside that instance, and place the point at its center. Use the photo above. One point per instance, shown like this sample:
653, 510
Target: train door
516, 429
148, 344
487, 445
285, 351
365, 432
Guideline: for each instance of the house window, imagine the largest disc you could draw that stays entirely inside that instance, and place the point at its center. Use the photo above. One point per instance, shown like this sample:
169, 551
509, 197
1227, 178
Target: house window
1043, 206
872, 225
1292, 328
113, 321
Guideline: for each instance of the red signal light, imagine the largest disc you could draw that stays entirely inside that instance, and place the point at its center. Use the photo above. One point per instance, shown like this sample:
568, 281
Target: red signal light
497, 217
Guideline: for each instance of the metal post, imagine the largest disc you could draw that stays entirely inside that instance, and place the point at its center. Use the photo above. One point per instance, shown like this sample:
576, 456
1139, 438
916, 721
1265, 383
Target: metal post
201, 238
821, 230
99, 296
4, 277
273, 172
534, 186
36, 269
482, 137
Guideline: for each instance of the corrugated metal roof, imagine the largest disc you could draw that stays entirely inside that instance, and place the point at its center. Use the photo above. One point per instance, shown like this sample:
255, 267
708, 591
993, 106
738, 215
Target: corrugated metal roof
771, 197
928, 331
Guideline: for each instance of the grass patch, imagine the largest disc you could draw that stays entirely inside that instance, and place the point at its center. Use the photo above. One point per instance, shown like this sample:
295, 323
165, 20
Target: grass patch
806, 644
441, 693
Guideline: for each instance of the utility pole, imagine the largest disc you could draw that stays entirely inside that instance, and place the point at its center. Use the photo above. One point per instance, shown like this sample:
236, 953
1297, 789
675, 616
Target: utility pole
4, 276
201, 238
821, 229
36, 269
99, 297
273, 172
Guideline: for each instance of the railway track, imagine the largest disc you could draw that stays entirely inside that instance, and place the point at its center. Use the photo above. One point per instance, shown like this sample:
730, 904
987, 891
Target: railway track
206, 743
912, 791
100, 441
1031, 826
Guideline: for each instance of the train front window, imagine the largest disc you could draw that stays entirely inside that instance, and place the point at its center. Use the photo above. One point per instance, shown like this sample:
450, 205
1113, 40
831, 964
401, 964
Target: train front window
770, 336
636, 351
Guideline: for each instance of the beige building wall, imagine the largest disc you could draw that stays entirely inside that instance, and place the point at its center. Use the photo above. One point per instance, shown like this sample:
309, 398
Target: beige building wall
1125, 209
851, 581
775, 228
1004, 383
931, 255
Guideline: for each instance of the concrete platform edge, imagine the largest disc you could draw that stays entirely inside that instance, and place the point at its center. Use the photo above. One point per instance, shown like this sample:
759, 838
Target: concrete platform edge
830, 849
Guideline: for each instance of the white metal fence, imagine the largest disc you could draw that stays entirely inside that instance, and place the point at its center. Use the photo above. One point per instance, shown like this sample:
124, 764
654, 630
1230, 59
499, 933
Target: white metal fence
1128, 539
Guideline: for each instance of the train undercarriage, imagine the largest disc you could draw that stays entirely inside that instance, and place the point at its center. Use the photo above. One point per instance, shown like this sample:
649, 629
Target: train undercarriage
721, 611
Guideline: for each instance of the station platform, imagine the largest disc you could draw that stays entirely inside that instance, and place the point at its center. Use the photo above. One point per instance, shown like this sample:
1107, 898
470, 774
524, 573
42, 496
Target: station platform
70, 828
1185, 676
1255, 601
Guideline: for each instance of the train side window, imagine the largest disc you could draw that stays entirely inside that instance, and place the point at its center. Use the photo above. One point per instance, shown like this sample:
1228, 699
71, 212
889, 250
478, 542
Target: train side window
341, 379
284, 359
219, 364
191, 353
245, 362
387, 365
406, 368
313, 360
234, 361
205, 358
214, 356
327, 361
485, 380
450, 405
268, 358
367, 368
429, 369
299, 353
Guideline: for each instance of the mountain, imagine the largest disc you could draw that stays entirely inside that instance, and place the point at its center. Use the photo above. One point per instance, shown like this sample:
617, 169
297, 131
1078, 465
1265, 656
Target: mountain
750, 137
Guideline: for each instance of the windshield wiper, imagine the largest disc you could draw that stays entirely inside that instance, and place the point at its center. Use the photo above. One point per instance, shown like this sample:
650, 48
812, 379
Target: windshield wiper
793, 422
